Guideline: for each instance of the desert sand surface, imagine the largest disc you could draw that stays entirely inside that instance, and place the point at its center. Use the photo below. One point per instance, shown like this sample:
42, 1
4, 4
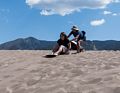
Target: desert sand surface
88, 72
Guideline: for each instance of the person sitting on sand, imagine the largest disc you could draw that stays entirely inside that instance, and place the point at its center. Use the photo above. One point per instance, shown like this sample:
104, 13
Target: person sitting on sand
79, 37
62, 46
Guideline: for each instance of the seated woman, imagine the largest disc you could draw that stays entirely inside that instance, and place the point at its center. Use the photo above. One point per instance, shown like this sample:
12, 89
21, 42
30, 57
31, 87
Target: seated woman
62, 46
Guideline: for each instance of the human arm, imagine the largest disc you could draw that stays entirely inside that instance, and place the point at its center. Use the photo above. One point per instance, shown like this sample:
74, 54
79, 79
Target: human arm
70, 34
75, 38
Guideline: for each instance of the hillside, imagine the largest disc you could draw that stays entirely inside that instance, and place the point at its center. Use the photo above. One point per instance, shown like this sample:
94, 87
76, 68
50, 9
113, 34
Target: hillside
31, 43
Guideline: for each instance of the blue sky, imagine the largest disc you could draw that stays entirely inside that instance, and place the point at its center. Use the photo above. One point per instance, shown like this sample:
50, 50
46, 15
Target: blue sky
45, 19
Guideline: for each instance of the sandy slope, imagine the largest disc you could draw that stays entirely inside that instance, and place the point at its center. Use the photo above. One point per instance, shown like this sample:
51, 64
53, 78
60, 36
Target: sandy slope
88, 72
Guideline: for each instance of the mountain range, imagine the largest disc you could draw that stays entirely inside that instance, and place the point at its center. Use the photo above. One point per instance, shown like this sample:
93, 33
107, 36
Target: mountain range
32, 43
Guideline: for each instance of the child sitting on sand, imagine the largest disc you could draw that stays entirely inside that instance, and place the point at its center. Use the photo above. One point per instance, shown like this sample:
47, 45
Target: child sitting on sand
62, 46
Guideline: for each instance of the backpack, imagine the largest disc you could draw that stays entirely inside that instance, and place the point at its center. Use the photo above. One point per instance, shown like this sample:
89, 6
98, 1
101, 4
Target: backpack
84, 37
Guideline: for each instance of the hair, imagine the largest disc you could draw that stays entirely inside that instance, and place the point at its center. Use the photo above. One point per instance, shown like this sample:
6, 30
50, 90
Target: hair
64, 34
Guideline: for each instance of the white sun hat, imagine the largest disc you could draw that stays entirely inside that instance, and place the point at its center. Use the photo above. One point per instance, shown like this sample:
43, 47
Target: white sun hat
74, 28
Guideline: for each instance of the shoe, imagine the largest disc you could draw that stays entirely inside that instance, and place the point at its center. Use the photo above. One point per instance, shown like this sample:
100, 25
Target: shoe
55, 54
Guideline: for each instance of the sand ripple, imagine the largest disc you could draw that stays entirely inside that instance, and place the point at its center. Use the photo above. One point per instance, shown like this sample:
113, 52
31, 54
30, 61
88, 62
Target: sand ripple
88, 72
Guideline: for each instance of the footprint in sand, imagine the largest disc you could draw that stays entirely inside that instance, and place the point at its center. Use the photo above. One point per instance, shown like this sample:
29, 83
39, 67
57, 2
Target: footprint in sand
33, 81
34, 71
116, 90
110, 78
5, 65
76, 72
9, 90
7, 76
92, 92
20, 69
94, 81
0, 79
107, 67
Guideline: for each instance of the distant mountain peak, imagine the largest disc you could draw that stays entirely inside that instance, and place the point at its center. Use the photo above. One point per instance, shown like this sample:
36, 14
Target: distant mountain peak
29, 43
30, 38
32, 43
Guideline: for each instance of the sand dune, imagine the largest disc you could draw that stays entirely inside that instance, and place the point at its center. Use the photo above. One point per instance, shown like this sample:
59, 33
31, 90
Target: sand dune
88, 72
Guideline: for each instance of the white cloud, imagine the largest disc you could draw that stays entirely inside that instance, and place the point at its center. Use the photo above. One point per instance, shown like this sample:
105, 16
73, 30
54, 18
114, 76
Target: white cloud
97, 22
44, 12
107, 12
32, 2
117, 1
115, 14
110, 13
64, 7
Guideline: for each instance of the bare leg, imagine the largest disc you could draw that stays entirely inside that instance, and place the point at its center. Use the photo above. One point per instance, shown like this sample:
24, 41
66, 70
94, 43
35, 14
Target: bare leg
78, 46
70, 46
59, 50
55, 49
81, 49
